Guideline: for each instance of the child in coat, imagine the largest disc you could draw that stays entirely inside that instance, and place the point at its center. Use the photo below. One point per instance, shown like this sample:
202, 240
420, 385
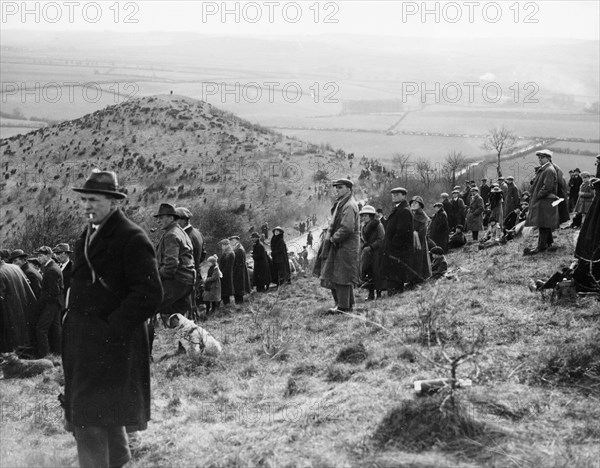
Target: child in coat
212, 285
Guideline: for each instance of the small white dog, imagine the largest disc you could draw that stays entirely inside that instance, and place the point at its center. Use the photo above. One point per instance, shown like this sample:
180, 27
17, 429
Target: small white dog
194, 339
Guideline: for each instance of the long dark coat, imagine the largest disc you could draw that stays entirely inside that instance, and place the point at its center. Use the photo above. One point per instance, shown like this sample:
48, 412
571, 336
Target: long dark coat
241, 279
18, 310
340, 254
484, 191
34, 277
281, 263
543, 194
51, 292
372, 235
562, 191
475, 214
262, 269
456, 214
421, 259
67, 271
226, 262
198, 250
439, 229
513, 200
497, 206
105, 355
588, 242
398, 248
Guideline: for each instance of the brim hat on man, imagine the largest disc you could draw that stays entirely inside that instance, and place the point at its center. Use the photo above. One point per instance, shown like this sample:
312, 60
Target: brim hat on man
44, 250
16, 254
437, 205
102, 182
475, 189
511, 178
183, 213
62, 248
368, 209
345, 182
166, 209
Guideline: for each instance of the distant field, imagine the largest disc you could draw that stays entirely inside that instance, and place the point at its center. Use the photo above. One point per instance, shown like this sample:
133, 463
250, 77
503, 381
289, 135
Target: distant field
7, 132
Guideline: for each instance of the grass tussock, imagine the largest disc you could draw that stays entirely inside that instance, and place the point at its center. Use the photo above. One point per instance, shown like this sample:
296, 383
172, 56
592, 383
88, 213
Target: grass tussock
421, 424
353, 354
575, 363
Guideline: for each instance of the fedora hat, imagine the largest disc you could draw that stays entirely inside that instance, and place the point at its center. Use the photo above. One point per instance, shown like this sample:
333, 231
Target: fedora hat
45, 250
103, 182
368, 209
60, 248
166, 209
16, 254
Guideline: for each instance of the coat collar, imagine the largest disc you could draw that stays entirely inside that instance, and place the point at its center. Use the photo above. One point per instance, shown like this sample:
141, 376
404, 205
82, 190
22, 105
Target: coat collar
106, 229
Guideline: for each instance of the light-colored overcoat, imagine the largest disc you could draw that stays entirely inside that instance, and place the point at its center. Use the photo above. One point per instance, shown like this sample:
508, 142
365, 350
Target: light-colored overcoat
543, 193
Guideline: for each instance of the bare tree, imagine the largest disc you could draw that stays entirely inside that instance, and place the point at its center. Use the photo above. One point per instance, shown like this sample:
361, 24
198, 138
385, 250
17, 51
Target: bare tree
499, 140
401, 161
454, 163
425, 171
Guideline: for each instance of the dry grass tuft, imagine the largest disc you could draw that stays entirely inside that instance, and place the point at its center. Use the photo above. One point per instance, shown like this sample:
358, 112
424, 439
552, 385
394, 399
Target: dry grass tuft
353, 354
420, 424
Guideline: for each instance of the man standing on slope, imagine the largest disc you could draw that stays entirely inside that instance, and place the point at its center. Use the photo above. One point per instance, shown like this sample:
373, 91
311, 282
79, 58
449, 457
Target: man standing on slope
115, 288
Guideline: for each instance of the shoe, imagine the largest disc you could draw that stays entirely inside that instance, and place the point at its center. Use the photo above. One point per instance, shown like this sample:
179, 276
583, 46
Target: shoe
334, 311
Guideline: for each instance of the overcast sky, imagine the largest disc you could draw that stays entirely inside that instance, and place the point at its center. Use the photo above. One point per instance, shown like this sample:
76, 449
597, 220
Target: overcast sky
544, 19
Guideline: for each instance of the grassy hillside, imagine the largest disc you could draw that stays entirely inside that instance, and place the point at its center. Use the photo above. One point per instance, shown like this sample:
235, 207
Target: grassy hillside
297, 388
164, 148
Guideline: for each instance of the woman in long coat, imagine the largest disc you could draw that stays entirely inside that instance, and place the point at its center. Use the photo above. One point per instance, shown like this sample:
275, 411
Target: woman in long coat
212, 285
586, 195
371, 236
474, 221
422, 262
281, 262
439, 230
226, 266
497, 205
262, 268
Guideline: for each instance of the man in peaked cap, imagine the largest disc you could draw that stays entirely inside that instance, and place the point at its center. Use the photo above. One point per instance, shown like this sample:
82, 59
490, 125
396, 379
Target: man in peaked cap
199, 252
175, 256
50, 304
543, 214
115, 289
339, 253
398, 249
484, 191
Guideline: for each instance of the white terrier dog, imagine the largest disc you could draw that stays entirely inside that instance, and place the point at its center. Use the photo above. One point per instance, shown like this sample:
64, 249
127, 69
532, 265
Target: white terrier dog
195, 339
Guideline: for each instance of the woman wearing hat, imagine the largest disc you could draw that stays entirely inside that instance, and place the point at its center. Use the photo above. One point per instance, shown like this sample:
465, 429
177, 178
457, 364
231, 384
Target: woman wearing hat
584, 200
422, 263
281, 263
438, 229
262, 265
371, 236
211, 295
474, 221
497, 205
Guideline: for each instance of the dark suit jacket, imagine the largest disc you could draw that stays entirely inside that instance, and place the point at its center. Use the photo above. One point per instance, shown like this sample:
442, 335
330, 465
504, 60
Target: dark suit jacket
105, 355
67, 271
51, 292
34, 277
398, 243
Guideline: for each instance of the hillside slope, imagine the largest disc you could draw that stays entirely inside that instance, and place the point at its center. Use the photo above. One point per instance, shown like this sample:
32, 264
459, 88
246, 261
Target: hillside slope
165, 149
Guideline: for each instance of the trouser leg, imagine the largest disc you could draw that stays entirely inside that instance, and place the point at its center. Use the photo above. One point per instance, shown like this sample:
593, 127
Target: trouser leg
47, 326
102, 447
345, 295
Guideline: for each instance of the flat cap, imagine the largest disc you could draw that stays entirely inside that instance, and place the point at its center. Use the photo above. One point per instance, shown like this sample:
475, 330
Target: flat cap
44, 250
183, 213
510, 178
545, 153
435, 205
16, 254
346, 182
60, 248
401, 190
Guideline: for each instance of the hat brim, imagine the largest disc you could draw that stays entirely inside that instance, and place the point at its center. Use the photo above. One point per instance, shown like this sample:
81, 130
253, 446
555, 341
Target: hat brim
110, 193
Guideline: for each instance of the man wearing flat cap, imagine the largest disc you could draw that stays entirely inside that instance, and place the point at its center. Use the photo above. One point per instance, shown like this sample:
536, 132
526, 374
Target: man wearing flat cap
337, 263
174, 254
543, 214
50, 304
115, 289
19, 258
199, 252
513, 197
484, 191
398, 248
439, 232
456, 213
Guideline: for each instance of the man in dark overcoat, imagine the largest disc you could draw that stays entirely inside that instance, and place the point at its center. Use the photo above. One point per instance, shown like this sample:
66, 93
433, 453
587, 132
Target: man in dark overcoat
198, 250
513, 197
398, 247
19, 258
62, 252
115, 288
456, 214
241, 279
543, 213
484, 191
50, 305
339, 254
